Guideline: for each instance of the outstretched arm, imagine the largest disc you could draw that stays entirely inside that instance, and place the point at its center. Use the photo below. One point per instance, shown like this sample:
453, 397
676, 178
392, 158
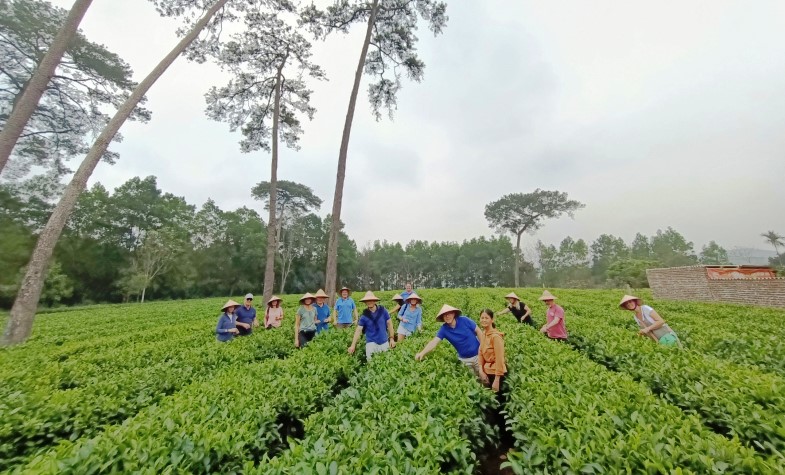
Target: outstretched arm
390, 334
357, 332
428, 348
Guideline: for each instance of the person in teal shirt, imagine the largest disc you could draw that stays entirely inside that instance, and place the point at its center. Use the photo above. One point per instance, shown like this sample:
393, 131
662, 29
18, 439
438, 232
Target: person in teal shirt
345, 310
305, 322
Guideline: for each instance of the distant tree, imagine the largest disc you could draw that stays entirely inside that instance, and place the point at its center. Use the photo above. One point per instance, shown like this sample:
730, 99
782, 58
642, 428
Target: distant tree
672, 249
640, 248
268, 61
291, 198
605, 250
518, 213
776, 240
157, 254
389, 50
713, 253
292, 201
630, 272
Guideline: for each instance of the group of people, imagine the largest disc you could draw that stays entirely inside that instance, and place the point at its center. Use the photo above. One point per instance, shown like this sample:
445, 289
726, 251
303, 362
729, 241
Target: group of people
480, 348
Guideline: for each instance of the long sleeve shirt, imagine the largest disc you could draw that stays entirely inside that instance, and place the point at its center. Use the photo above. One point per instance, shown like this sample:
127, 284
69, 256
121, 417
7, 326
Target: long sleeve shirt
492, 359
413, 317
225, 323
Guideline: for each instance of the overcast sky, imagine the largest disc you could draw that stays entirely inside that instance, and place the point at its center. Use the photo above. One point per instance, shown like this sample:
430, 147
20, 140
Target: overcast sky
653, 114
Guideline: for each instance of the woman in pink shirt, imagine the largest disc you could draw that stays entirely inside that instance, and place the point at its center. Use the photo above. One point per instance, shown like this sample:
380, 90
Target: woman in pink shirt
274, 313
554, 327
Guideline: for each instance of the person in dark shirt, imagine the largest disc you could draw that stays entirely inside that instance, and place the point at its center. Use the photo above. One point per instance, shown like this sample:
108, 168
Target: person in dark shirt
519, 309
375, 323
246, 316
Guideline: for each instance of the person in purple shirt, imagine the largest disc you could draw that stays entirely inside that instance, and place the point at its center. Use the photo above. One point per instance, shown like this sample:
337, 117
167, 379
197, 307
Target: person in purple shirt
463, 334
246, 316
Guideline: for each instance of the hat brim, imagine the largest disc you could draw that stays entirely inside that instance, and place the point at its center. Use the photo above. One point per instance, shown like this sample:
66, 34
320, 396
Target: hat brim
624, 302
440, 318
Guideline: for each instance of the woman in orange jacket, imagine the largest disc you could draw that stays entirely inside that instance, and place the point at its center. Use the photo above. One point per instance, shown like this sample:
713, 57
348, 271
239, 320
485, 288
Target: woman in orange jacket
491, 355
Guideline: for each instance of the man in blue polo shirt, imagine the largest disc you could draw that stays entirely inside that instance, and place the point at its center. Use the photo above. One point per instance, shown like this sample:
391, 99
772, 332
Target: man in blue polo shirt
377, 326
345, 310
246, 316
463, 334
322, 312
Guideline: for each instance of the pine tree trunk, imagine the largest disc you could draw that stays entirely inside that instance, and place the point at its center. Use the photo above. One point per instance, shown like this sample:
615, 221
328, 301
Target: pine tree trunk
25, 106
518, 261
331, 273
20, 321
272, 227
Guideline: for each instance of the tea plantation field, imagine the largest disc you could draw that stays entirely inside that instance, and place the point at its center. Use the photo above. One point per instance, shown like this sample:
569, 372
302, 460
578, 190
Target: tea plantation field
147, 389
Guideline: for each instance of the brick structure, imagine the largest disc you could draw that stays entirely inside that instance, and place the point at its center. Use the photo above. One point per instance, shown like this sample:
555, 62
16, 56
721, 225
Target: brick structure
730, 284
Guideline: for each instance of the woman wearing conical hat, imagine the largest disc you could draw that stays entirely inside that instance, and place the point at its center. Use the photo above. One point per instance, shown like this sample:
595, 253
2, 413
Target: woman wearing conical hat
273, 316
649, 321
519, 309
492, 359
305, 321
398, 303
410, 317
322, 311
463, 334
226, 328
376, 324
402, 299
554, 328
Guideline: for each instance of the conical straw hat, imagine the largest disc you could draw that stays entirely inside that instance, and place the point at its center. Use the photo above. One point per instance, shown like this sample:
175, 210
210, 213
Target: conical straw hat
230, 303
627, 298
397, 298
446, 309
368, 297
307, 296
414, 296
320, 293
273, 299
547, 296
512, 295
346, 289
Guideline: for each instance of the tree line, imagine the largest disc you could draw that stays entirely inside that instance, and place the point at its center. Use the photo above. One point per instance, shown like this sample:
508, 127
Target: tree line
138, 242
